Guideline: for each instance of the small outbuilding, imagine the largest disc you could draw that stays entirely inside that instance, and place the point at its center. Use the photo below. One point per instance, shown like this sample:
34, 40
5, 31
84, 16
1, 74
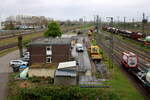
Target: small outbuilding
66, 73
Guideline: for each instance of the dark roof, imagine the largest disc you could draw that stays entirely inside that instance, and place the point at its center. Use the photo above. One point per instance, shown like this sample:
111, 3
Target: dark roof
51, 41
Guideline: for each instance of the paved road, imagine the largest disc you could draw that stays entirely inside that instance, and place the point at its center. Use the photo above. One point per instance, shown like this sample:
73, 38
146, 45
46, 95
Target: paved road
82, 58
4, 72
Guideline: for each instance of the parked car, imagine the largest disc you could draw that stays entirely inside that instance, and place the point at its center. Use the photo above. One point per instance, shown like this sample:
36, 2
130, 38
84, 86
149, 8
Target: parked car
26, 54
18, 63
25, 58
79, 47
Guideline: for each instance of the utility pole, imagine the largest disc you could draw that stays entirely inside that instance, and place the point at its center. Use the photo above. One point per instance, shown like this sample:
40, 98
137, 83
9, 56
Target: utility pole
124, 22
133, 22
97, 24
111, 44
118, 20
111, 21
84, 20
20, 45
144, 21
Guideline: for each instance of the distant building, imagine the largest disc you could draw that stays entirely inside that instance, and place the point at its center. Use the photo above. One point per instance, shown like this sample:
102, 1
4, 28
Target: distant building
50, 50
6, 24
81, 20
0, 25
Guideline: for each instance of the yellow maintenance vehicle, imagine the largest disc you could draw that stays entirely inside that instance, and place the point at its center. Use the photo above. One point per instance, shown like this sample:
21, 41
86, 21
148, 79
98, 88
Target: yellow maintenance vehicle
94, 53
89, 33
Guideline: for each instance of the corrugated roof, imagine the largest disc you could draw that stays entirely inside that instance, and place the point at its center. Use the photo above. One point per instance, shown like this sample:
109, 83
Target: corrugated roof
51, 41
65, 73
68, 64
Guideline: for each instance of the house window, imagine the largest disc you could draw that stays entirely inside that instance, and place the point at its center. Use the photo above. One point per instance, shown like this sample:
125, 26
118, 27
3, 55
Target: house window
49, 50
49, 59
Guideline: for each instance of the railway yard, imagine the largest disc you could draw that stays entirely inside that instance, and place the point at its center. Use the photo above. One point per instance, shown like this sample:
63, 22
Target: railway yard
119, 46
96, 65
75, 50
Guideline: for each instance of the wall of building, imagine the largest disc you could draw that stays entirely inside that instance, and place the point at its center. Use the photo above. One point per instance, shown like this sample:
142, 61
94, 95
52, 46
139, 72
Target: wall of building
41, 72
65, 81
37, 54
60, 53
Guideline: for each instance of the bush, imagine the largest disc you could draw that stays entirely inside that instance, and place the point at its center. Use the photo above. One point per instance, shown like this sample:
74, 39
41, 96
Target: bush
35, 79
26, 42
65, 93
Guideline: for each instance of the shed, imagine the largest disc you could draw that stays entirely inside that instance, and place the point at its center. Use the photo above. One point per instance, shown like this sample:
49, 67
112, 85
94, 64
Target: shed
66, 73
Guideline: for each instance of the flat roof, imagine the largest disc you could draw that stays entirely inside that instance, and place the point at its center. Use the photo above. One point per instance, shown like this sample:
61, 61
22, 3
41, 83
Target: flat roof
68, 64
51, 41
69, 35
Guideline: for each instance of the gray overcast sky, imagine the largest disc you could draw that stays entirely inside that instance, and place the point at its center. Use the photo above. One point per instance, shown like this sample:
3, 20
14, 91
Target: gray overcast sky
74, 9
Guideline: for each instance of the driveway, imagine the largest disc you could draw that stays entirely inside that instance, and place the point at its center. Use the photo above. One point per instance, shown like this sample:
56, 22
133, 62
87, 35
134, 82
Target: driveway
4, 72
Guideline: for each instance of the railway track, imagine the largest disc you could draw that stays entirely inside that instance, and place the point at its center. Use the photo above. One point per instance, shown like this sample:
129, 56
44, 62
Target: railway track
119, 47
19, 33
15, 35
14, 44
122, 46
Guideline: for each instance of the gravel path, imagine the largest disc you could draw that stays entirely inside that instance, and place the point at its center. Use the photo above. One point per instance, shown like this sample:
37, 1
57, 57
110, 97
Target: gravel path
4, 72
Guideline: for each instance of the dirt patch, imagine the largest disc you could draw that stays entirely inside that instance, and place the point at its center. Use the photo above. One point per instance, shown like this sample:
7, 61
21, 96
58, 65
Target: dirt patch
24, 84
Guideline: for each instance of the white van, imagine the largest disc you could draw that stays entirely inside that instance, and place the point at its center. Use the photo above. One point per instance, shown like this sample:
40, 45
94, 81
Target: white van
79, 47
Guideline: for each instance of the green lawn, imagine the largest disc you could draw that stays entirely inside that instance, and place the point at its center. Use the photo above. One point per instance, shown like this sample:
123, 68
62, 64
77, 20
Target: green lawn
14, 39
6, 51
123, 86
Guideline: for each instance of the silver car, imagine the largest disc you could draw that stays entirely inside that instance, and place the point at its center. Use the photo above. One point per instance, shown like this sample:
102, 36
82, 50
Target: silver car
18, 63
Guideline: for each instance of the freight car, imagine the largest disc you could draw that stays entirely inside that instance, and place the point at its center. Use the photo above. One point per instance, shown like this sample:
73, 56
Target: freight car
130, 63
125, 33
129, 60
147, 40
